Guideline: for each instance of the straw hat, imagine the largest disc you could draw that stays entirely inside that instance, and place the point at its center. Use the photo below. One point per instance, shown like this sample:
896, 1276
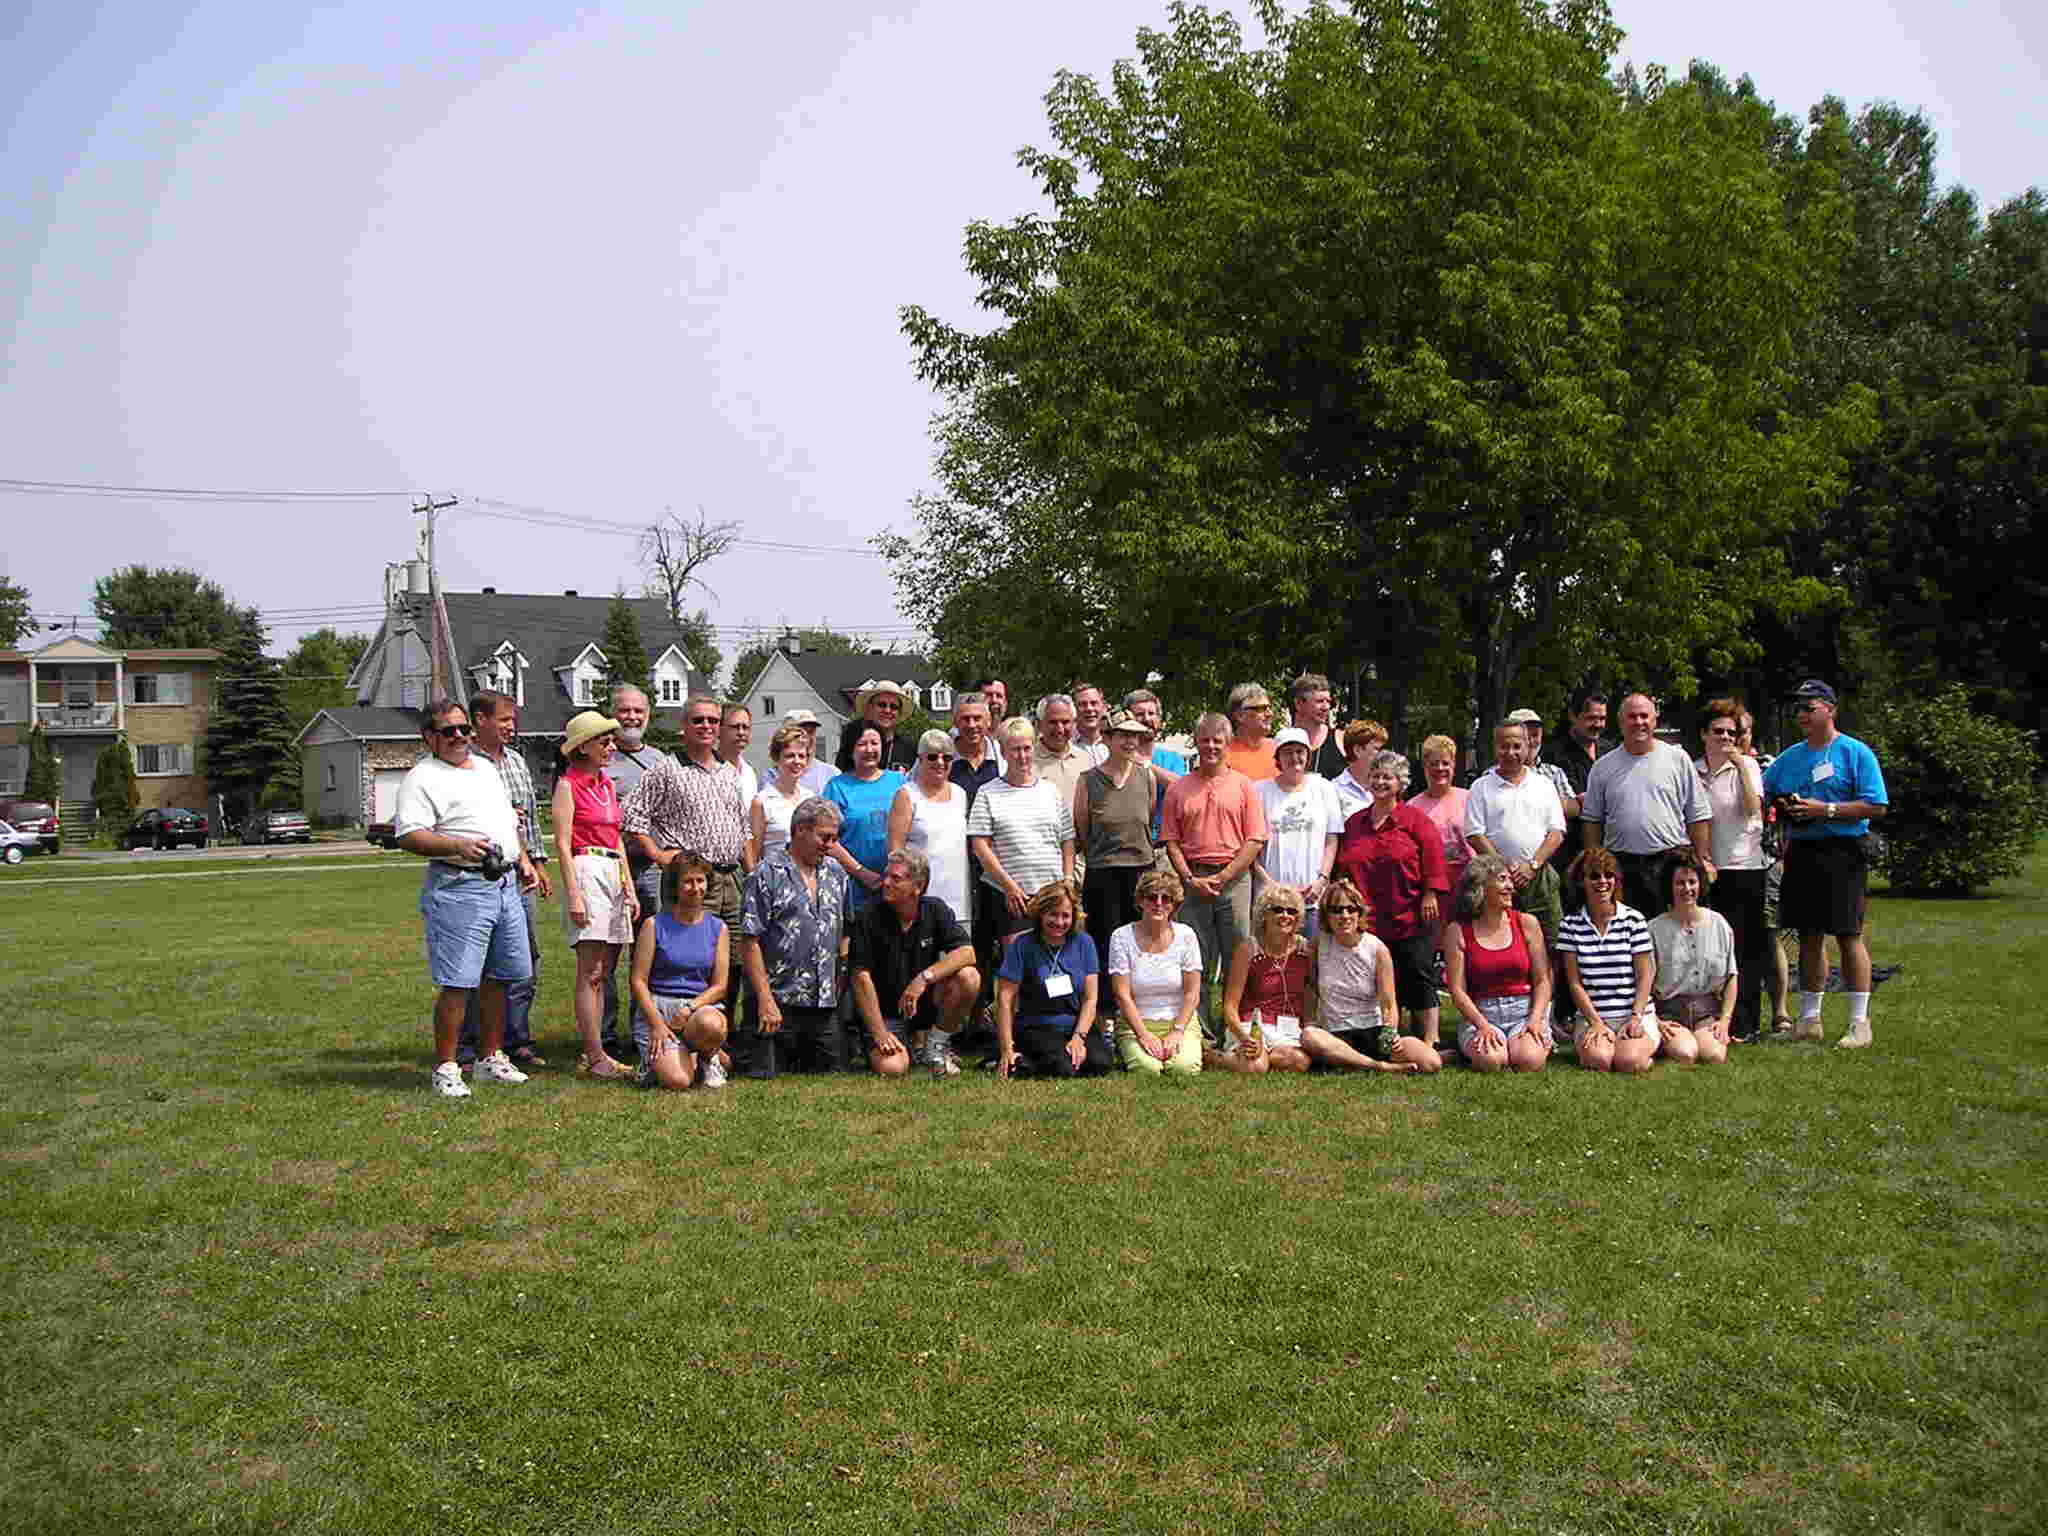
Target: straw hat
874, 689
586, 727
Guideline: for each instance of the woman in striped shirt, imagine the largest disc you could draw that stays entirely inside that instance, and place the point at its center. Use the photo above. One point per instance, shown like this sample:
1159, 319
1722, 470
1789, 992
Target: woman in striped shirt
1607, 966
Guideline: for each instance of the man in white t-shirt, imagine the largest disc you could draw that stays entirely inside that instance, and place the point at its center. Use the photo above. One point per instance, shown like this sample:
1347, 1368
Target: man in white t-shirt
1513, 812
454, 812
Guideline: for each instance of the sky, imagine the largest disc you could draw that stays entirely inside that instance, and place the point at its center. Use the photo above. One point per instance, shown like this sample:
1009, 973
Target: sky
603, 262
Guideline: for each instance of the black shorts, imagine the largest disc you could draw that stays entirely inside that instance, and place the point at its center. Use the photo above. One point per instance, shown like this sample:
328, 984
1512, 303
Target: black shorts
1826, 881
1414, 970
1375, 1044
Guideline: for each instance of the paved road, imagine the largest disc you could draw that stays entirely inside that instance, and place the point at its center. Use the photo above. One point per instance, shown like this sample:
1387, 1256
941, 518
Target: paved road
169, 856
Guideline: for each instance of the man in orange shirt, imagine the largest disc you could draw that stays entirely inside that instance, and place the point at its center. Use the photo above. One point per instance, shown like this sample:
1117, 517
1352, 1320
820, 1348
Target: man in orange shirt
1250, 750
1214, 826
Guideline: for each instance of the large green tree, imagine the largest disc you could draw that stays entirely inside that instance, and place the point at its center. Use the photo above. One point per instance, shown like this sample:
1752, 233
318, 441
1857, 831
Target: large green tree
1412, 341
14, 615
144, 608
249, 759
625, 652
316, 672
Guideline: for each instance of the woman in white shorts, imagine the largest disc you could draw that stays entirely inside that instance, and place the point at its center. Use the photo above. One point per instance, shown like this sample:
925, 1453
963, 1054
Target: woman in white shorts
1497, 972
598, 907
1607, 966
1351, 983
1265, 994
1155, 982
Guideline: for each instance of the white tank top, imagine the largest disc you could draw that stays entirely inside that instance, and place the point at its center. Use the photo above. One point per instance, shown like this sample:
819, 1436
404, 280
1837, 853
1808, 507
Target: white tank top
938, 830
1347, 984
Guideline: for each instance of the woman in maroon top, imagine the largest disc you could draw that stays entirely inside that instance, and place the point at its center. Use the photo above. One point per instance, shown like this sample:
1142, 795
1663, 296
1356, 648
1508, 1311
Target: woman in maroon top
1265, 992
598, 906
1395, 855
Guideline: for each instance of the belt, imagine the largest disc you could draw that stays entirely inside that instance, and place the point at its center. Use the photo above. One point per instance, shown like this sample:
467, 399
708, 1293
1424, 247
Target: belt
725, 869
1205, 867
602, 853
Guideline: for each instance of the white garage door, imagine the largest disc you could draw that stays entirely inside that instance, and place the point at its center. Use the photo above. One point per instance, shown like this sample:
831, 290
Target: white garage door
384, 784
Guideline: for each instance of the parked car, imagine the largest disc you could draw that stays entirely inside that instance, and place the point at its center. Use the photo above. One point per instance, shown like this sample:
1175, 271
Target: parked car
381, 834
37, 817
276, 827
15, 845
171, 827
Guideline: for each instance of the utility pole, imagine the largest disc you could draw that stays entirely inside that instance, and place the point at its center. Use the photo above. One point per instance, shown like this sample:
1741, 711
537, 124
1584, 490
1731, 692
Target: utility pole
437, 619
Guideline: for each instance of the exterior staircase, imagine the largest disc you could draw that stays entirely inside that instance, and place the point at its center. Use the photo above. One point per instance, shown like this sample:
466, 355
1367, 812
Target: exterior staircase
77, 819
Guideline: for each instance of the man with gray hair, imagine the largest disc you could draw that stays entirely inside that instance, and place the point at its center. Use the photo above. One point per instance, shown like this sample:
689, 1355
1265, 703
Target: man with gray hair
1251, 744
793, 949
1214, 826
912, 963
1057, 759
975, 758
632, 761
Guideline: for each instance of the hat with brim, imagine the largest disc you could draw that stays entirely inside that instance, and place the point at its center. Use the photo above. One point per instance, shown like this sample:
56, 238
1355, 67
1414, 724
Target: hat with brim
587, 726
1524, 717
1123, 722
871, 691
800, 717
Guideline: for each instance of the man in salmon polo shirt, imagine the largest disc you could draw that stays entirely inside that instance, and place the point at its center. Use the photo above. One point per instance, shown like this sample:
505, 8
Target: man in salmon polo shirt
1214, 826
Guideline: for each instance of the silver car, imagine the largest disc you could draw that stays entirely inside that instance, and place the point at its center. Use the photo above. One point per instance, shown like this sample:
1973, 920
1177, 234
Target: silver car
16, 845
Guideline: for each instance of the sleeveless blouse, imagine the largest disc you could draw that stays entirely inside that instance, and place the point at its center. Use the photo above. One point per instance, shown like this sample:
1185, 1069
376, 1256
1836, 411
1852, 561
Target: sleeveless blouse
684, 955
1497, 972
776, 810
1347, 983
596, 823
938, 830
1275, 988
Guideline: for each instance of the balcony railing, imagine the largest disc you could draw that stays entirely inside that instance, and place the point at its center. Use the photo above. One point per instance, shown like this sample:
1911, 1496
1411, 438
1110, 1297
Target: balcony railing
77, 717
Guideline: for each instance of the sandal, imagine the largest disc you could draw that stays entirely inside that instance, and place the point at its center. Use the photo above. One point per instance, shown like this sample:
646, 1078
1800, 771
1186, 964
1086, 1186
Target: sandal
604, 1068
526, 1056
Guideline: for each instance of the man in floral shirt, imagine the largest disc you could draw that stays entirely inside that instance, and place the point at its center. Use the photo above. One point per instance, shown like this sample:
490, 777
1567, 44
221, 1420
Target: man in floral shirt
793, 948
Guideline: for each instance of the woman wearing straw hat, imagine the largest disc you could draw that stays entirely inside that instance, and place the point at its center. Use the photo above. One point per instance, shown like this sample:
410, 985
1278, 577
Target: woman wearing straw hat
879, 703
598, 907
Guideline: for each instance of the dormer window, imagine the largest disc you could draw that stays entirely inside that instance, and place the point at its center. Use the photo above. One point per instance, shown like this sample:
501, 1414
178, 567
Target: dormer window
942, 699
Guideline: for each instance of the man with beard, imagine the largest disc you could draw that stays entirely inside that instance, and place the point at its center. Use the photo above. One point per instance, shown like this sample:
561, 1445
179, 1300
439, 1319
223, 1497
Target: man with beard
631, 762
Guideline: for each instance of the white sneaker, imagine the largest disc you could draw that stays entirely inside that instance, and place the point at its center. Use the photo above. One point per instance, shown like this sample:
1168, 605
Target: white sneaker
498, 1069
1808, 1028
713, 1075
448, 1081
1857, 1038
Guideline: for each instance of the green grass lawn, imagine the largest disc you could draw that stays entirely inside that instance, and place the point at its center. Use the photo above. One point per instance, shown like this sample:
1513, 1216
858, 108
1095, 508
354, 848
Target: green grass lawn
255, 1277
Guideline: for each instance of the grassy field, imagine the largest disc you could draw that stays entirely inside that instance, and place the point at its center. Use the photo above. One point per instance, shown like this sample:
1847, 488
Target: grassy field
255, 1278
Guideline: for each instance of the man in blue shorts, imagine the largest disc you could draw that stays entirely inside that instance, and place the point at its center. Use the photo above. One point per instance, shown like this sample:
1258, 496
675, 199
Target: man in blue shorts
1829, 789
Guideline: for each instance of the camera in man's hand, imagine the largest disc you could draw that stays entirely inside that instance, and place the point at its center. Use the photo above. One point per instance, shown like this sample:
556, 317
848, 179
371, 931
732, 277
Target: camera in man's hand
494, 864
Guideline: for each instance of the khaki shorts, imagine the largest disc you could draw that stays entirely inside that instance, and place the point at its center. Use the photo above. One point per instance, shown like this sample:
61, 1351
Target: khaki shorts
602, 884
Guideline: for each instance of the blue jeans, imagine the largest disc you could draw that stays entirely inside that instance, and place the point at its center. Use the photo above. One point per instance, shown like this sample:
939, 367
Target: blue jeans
518, 1001
475, 928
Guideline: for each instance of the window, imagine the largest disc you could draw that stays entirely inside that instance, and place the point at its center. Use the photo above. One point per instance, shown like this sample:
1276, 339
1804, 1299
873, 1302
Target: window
154, 760
586, 691
767, 706
942, 699
159, 688
916, 698
671, 690
333, 778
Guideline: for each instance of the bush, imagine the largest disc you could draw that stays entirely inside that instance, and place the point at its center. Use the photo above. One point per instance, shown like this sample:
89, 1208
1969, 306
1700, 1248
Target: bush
1965, 807
114, 795
44, 778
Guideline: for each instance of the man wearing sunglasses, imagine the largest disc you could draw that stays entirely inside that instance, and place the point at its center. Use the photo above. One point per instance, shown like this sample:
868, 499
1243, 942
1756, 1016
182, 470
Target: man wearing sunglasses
453, 811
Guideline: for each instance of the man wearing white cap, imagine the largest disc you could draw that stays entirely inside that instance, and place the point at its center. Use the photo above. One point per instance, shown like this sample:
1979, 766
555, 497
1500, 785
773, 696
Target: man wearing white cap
818, 775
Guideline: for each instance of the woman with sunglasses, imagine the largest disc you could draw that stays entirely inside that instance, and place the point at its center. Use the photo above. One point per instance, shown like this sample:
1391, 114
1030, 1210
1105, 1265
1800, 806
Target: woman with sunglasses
1735, 793
1113, 828
1351, 980
1265, 994
863, 795
1608, 964
1155, 983
929, 814
1498, 972
598, 905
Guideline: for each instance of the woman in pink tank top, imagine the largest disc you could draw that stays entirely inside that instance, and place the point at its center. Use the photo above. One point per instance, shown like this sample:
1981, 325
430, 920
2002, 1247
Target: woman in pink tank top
598, 907
1497, 972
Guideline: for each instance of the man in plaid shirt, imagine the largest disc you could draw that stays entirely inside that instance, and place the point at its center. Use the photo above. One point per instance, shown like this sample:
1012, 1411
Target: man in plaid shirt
496, 716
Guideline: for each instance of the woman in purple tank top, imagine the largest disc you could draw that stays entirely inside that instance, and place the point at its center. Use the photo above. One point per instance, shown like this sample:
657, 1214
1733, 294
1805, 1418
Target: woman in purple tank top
681, 964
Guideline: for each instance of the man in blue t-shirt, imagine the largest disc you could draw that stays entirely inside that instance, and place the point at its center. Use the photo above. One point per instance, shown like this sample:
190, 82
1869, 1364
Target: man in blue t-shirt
1829, 789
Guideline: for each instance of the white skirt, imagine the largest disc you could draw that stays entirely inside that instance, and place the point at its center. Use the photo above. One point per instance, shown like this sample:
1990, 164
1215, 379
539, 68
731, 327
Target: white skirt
602, 883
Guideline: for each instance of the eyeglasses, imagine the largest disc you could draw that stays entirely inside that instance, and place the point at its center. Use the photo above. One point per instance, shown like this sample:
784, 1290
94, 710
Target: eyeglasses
938, 757
454, 732
1601, 879
1344, 910
1151, 896
886, 704
703, 719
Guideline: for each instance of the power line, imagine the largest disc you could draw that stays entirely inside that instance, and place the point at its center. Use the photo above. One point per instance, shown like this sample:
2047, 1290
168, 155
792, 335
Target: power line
183, 493
512, 511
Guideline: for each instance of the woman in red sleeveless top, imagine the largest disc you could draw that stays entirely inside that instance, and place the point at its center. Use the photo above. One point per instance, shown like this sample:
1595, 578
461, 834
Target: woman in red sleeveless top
1498, 972
1267, 986
598, 907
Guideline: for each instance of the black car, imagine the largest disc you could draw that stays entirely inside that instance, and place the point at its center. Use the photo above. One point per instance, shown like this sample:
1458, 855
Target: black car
172, 827
36, 816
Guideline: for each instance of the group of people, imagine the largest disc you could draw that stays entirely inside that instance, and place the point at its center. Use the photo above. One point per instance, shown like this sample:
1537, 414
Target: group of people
1064, 894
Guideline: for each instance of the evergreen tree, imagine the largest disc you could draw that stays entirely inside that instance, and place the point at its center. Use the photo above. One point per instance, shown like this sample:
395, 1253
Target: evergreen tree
249, 751
114, 795
45, 777
625, 653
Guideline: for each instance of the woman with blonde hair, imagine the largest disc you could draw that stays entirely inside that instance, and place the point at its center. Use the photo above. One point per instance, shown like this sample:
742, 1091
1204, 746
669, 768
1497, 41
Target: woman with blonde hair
929, 814
789, 754
1265, 994
1155, 982
1351, 979
1046, 992
598, 906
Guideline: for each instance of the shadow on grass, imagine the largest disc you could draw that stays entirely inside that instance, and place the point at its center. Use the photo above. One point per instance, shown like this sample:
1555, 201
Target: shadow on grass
345, 1068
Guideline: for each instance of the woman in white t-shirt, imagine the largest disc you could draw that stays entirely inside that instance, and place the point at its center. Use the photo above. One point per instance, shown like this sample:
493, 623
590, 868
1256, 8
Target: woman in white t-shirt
1304, 818
930, 814
774, 803
1155, 982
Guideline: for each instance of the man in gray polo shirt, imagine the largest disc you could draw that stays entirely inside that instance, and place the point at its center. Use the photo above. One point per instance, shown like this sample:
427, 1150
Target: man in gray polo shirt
1645, 802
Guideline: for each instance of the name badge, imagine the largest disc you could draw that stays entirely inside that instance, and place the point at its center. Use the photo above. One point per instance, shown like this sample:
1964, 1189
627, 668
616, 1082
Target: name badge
1287, 1024
1059, 984
1824, 771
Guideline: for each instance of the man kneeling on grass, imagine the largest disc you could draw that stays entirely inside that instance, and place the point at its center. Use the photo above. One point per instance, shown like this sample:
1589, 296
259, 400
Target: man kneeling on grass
913, 971
453, 811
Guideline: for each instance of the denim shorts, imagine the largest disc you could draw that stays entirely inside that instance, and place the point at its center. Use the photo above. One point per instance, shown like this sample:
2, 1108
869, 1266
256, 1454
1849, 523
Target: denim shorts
1508, 1013
475, 928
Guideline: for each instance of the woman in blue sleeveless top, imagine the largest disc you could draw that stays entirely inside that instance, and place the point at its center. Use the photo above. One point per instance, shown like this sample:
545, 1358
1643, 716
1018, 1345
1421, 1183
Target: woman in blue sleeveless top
679, 981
